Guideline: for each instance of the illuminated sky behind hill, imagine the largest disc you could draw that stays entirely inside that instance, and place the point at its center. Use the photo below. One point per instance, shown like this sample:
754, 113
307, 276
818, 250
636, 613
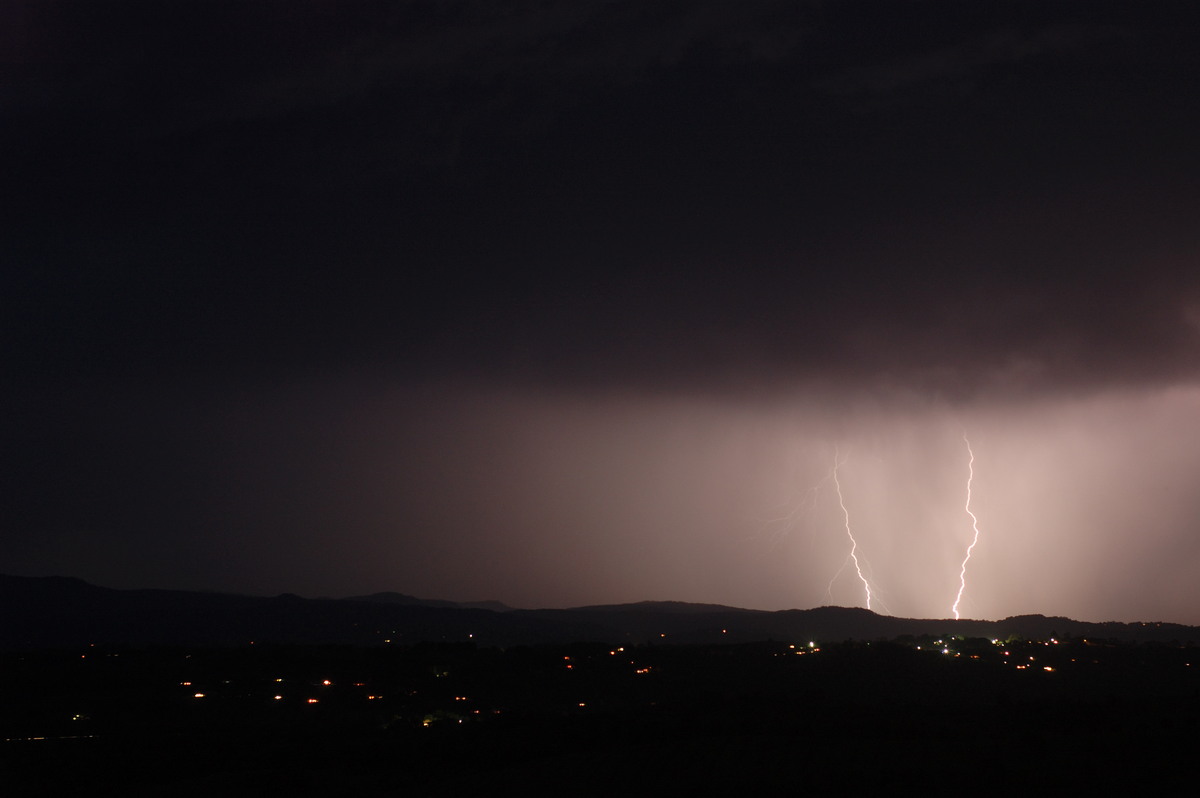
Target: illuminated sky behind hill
564, 303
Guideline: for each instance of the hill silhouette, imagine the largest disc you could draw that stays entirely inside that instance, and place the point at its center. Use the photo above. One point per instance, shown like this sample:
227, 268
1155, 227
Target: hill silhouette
45, 612
389, 597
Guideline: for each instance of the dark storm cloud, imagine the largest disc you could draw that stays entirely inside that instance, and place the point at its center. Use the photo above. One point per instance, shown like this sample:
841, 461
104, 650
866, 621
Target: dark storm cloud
958, 64
596, 192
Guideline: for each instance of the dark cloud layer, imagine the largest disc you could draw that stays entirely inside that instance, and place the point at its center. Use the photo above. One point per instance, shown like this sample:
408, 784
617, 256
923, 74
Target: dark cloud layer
598, 192
445, 279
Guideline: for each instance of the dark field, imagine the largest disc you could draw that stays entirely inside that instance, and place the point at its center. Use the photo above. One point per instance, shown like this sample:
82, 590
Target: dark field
945, 715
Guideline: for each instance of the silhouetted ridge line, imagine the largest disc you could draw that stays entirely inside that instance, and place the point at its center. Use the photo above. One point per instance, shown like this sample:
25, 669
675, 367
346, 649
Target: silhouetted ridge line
47, 612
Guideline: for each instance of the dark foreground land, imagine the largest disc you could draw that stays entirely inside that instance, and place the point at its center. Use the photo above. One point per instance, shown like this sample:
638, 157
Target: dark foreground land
953, 715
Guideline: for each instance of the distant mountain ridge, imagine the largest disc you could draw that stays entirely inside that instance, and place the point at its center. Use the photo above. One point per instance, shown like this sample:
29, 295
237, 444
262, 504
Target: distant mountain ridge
661, 606
47, 612
406, 600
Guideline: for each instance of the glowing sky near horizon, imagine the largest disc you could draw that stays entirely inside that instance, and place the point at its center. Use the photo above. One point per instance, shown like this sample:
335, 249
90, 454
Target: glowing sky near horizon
556, 500
1087, 501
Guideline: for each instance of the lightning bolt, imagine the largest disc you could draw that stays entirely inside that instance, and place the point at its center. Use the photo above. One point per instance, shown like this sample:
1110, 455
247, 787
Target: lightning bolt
781, 525
829, 587
853, 543
962, 574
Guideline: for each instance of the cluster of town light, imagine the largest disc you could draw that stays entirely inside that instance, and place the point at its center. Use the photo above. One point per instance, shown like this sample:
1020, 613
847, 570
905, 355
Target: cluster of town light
946, 647
279, 697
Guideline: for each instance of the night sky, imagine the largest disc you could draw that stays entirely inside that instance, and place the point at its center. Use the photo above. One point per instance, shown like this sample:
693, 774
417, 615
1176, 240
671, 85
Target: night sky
578, 302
